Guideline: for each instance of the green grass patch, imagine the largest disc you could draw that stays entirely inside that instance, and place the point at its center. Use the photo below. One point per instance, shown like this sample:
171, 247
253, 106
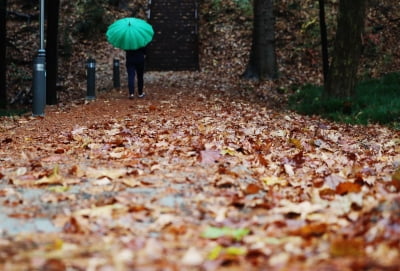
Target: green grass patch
10, 112
376, 101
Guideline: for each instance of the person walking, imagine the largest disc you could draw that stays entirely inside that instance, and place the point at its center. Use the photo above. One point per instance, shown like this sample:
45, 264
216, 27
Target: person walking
135, 66
132, 35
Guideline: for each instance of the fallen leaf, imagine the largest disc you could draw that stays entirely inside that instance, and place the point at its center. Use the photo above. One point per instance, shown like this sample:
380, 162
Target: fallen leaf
341, 247
54, 178
252, 189
348, 187
215, 232
289, 169
272, 180
333, 180
209, 157
296, 143
112, 173
214, 253
314, 229
192, 257
396, 179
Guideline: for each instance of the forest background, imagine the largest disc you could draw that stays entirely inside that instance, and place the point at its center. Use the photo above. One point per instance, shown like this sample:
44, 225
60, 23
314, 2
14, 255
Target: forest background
207, 172
225, 29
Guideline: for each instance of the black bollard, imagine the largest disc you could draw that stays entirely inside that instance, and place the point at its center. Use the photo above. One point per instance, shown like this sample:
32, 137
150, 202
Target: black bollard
91, 79
116, 73
39, 84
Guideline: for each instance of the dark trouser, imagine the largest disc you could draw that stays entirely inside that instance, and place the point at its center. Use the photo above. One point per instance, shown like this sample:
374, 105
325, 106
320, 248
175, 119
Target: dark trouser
132, 69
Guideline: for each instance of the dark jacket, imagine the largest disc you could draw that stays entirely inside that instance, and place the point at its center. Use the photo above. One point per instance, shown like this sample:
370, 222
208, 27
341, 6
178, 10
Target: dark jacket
135, 56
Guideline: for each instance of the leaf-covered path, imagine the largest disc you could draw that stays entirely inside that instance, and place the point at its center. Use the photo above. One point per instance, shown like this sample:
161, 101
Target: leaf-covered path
195, 180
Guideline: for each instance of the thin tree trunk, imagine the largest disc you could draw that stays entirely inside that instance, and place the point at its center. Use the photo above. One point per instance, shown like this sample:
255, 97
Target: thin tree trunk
342, 76
3, 52
52, 51
262, 63
324, 39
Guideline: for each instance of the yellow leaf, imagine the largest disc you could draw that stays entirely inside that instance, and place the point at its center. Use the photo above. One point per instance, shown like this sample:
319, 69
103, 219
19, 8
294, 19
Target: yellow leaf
55, 245
296, 143
54, 178
59, 189
201, 128
272, 180
307, 24
214, 253
237, 251
228, 151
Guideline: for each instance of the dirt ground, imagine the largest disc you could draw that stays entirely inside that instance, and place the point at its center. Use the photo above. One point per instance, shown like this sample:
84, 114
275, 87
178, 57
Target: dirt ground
194, 179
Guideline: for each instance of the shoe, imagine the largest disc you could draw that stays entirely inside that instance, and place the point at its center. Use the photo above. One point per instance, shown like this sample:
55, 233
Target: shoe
142, 95
131, 96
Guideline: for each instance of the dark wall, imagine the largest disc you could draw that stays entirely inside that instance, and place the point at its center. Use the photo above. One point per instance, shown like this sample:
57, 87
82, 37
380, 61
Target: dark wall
175, 42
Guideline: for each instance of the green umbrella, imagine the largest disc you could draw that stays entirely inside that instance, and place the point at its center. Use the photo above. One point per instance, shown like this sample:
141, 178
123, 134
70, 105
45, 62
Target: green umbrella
129, 33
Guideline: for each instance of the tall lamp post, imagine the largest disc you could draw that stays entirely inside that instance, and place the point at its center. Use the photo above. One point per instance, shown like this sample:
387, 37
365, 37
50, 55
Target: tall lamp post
39, 72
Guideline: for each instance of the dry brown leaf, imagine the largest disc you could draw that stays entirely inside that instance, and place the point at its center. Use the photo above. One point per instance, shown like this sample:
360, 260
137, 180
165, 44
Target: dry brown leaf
348, 187
252, 189
341, 247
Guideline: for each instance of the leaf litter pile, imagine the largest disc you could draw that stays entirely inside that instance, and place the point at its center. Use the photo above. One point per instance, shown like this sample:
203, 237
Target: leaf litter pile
195, 180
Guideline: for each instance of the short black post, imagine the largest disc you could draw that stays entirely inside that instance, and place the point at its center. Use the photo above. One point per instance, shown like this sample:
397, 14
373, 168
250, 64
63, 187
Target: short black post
91, 79
39, 84
116, 79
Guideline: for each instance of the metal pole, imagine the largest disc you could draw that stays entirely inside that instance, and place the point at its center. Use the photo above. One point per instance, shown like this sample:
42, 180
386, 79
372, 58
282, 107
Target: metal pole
41, 25
91, 79
39, 85
39, 72
116, 79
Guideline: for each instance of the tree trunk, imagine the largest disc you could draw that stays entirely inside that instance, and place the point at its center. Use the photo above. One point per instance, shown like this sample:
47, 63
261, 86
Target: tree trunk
52, 51
324, 39
342, 75
3, 48
262, 63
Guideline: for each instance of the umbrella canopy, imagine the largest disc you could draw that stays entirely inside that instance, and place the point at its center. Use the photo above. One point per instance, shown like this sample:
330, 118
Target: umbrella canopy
129, 33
